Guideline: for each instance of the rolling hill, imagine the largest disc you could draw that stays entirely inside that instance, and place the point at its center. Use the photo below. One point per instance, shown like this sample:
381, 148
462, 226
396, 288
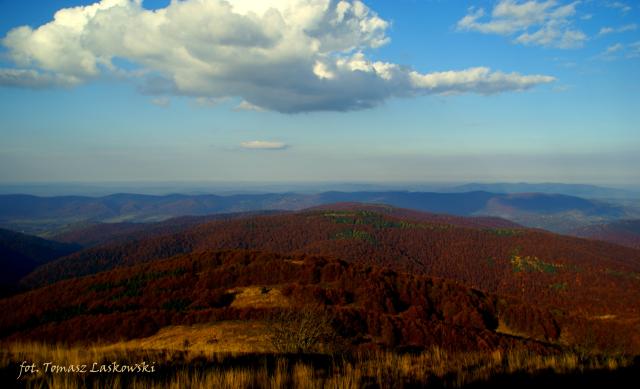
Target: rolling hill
370, 306
385, 277
20, 254
622, 232
101, 233
577, 276
579, 190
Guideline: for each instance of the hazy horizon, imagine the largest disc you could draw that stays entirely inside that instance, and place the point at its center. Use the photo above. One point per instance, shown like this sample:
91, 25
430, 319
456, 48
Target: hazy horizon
328, 91
96, 189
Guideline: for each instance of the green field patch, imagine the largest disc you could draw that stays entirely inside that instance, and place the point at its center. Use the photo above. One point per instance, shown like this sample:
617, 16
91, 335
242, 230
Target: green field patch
425, 226
532, 264
559, 286
354, 235
622, 274
368, 218
505, 231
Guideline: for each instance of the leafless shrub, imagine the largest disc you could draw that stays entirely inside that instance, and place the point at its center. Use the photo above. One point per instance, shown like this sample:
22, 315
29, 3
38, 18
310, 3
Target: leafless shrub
303, 330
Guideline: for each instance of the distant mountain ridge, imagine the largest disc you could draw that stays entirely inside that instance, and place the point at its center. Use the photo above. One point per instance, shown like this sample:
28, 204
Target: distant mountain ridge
580, 190
104, 233
622, 232
45, 214
96, 234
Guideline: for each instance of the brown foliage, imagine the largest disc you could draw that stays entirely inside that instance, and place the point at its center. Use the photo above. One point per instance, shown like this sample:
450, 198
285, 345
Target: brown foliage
370, 306
575, 275
402, 282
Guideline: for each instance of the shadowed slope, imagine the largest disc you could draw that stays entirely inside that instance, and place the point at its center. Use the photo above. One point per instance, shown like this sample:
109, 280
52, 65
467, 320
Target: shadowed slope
20, 254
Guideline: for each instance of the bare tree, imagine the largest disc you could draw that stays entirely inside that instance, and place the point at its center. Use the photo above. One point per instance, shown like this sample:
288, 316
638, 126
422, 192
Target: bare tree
302, 330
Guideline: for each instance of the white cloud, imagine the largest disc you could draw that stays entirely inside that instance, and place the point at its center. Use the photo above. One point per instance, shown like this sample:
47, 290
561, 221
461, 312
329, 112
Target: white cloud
634, 50
614, 48
624, 8
480, 80
628, 27
283, 55
247, 106
606, 30
208, 102
29, 78
542, 23
613, 51
611, 30
263, 145
562, 88
161, 101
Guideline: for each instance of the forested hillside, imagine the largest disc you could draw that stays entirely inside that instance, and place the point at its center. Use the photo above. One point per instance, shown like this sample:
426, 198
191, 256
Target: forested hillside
370, 306
577, 275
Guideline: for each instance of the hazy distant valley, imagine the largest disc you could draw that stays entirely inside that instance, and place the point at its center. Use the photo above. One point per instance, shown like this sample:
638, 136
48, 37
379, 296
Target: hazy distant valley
561, 212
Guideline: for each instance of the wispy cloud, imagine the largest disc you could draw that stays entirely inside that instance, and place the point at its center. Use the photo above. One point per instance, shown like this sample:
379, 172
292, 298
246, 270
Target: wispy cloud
247, 106
623, 7
618, 50
621, 29
209, 101
614, 48
162, 101
287, 56
562, 88
540, 23
634, 50
263, 145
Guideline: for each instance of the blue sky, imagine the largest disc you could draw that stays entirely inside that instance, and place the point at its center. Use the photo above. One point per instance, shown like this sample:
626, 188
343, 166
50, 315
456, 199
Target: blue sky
380, 91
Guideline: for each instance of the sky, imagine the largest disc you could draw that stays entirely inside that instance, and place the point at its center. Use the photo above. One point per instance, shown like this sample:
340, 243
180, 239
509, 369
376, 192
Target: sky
320, 91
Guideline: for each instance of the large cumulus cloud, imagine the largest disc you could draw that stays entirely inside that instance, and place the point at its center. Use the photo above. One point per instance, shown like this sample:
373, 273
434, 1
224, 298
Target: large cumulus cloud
282, 55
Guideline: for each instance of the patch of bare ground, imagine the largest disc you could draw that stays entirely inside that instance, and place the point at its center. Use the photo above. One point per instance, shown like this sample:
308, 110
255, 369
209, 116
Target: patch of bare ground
604, 317
258, 297
221, 337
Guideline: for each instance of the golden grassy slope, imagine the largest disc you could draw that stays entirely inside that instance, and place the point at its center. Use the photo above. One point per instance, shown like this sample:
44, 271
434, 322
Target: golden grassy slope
175, 365
259, 297
221, 337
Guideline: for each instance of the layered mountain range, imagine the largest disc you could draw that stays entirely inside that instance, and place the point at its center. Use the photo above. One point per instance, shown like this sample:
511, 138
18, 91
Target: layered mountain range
48, 216
410, 278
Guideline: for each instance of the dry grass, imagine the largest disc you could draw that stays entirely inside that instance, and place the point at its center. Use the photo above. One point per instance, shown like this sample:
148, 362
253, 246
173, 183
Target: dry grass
259, 297
194, 368
604, 317
221, 337
503, 328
